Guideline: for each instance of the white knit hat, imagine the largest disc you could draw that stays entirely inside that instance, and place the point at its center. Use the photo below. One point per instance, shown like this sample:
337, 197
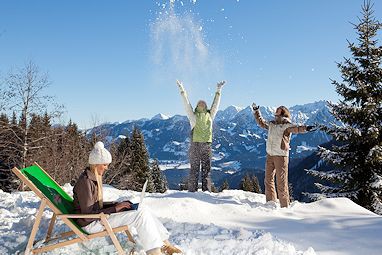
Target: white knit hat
99, 155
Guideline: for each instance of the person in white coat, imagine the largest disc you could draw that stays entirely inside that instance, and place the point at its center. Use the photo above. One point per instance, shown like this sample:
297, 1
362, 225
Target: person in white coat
200, 153
278, 144
88, 199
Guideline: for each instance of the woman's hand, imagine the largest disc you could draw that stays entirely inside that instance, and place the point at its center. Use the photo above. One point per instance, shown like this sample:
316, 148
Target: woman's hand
122, 205
220, 84
255, 107
180, 85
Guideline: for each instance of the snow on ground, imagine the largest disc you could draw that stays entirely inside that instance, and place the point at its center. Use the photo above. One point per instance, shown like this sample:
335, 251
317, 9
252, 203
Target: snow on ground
231, 222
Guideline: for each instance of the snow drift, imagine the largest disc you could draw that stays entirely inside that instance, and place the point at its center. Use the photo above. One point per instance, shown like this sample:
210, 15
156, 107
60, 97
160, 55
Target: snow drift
231, 222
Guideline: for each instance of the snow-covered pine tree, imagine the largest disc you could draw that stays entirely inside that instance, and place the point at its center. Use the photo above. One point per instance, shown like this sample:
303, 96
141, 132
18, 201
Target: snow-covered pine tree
357, 157
159, 179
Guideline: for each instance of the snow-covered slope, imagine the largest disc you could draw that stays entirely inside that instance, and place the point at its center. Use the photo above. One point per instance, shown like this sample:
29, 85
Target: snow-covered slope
231, 222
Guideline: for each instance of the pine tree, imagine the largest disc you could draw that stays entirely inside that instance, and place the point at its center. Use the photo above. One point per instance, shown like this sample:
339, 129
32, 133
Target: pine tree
224, 186
256, 185
4, 133
7, 178
159, 179
214, 189
140, 163
246, 183
10, 152
76, 148
4, 119
357, 157
291, 191
183, 185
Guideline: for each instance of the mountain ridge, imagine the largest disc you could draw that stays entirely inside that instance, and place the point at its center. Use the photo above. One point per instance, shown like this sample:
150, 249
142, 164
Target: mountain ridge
237, 137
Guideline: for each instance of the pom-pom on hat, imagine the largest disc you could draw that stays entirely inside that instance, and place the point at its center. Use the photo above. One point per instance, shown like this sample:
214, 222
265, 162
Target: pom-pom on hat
99, 155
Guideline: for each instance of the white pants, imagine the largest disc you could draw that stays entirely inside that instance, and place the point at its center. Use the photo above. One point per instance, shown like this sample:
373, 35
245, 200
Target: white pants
150, 230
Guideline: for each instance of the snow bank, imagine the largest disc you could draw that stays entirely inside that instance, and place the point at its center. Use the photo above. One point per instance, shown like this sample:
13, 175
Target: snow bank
231, 222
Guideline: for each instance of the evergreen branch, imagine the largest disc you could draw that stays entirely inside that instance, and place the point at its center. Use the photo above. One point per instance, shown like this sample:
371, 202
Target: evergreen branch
334, 176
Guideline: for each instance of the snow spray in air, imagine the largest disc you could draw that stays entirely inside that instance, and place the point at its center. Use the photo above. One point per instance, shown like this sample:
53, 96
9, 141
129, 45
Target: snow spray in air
178, 44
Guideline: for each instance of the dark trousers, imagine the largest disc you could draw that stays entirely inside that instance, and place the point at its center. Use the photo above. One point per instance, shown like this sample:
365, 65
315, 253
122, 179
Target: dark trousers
200, 157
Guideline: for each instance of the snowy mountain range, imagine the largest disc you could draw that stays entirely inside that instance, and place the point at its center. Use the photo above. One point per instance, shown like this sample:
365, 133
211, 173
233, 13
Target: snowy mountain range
239, 143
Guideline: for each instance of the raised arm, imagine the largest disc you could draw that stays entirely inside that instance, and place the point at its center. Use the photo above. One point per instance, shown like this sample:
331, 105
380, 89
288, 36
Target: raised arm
216, 102
187, 104
259, 119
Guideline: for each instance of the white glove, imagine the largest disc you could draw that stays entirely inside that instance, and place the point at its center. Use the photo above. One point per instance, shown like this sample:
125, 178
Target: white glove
180, 85
220, 85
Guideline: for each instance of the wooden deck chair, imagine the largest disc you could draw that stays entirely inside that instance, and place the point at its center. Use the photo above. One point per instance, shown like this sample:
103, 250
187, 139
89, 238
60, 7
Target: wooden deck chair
53, 196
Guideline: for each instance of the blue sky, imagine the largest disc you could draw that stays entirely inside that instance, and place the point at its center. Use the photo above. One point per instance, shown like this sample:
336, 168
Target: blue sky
118, 60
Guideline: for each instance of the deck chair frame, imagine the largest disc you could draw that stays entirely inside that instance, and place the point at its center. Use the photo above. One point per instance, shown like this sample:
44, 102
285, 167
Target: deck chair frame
81, 236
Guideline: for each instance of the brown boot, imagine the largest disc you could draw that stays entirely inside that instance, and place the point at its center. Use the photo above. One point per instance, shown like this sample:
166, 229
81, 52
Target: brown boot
169, 249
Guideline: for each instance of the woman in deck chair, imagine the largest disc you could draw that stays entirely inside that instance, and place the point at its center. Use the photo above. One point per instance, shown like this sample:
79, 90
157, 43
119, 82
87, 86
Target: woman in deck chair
87, 194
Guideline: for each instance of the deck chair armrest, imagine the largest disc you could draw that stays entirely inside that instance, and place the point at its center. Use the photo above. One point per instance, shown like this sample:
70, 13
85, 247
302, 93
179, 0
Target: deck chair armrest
83, 216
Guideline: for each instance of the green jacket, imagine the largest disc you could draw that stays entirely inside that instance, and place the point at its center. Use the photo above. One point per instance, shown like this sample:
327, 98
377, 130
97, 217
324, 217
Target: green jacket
202, 131
201, 123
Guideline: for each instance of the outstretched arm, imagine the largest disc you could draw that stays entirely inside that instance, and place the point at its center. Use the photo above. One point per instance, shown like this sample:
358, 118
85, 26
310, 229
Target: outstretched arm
259, 119
295, 129
216, 102
187, 104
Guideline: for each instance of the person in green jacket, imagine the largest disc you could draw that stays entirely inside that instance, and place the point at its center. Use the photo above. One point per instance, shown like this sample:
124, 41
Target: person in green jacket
200, 153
